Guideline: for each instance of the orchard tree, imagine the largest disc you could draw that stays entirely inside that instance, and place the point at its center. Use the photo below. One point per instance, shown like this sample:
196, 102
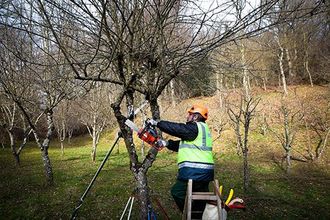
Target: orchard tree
96, 113
241, 116
14, 122
61, 117
34, 80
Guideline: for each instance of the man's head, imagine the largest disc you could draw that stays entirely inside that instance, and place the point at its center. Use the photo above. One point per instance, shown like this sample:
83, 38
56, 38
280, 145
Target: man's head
197, 113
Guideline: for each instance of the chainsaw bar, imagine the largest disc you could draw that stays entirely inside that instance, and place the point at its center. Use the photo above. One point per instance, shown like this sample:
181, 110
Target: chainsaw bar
131, 124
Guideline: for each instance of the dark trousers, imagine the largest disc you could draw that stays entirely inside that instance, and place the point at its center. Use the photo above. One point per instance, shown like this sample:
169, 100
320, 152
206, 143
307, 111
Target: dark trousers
179, 190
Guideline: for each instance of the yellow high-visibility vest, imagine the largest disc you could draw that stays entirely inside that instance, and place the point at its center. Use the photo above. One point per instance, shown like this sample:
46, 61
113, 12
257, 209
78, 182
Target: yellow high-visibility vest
197, 153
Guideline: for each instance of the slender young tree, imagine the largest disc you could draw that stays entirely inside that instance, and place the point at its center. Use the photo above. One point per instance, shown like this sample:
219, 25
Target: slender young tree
61, 116
12, 118
286, 135
95, 113
241, 117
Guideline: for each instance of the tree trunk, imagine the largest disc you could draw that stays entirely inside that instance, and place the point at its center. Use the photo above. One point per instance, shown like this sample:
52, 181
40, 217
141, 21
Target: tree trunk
264, 83
147, 163
280, 60
288, 161
47, 166
62, 136
44, 149
154, 107
320, 149
62, 147
288, 138
306, 64
219, 79
94, 146
309, 73
70, 133
264, 124
288, 57
143, 193
138, 169
135, 166
246, 80
309, 145
239, 146
13, 148
247, 119
10, 115
246, 171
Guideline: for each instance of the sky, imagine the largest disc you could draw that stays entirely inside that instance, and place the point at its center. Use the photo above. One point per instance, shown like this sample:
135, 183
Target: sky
212, 4
218, 10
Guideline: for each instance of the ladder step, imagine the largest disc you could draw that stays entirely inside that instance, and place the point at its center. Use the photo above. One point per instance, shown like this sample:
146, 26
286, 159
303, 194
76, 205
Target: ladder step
202, 193
204, 197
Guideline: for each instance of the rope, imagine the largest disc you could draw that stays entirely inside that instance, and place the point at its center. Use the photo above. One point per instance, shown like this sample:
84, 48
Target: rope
162, 209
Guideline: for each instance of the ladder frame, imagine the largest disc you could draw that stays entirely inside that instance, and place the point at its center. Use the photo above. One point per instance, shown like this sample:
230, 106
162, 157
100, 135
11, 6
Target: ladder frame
207, 196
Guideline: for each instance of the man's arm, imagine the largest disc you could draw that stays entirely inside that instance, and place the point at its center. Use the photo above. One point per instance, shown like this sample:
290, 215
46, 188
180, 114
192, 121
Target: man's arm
173, 145
188, 131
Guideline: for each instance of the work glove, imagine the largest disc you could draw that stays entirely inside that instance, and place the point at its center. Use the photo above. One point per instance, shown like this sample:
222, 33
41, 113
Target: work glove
152, 122
160, 144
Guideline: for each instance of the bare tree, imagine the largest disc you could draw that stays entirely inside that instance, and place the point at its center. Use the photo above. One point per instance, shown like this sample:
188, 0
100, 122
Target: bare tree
73, 123
34, 81
241, 117
316, 122
13, 119
289, 118
9, 111
95, 113
61, 122
280, 62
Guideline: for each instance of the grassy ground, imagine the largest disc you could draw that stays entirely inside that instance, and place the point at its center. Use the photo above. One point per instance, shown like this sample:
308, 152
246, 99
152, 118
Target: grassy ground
273, 194
304, 194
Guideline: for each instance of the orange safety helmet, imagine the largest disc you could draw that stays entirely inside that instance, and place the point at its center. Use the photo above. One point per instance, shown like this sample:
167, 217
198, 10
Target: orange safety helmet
202, 110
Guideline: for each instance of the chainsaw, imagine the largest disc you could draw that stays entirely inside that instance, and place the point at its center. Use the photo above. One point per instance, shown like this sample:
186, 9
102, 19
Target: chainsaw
147, 134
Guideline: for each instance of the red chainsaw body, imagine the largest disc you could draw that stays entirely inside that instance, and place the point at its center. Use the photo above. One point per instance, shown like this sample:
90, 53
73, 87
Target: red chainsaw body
147, 137
147, 134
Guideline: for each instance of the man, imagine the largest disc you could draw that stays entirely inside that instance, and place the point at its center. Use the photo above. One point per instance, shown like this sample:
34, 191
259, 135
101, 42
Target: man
195, 159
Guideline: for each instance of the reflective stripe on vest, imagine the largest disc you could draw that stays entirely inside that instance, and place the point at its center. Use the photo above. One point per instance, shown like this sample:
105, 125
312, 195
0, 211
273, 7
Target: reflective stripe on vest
198, 150
196, 165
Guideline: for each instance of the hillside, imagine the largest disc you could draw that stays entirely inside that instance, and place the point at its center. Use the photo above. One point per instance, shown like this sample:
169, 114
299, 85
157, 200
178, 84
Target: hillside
304, 100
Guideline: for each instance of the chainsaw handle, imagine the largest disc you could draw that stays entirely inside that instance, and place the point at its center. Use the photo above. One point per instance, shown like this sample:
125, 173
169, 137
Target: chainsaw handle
151, 122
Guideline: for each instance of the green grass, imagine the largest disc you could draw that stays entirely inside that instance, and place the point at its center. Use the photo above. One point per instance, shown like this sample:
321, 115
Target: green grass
272, 193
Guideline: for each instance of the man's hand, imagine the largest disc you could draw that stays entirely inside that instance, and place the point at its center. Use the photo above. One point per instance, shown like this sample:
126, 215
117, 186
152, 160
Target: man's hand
152, 122
160, 144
